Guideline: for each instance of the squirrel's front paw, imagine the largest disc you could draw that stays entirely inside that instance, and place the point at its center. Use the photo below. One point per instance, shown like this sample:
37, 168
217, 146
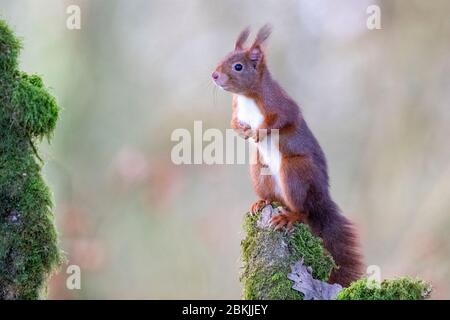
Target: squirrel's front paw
243, 130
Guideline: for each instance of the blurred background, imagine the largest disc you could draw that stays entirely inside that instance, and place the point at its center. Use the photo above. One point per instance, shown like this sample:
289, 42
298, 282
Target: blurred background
140, 226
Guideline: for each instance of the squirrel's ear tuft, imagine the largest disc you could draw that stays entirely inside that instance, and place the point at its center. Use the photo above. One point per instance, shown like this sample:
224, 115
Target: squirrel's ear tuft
263, 35
256, 53
243, 36
256, 50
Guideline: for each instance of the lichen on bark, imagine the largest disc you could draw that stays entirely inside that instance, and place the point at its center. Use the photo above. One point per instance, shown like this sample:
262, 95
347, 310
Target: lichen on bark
29, 250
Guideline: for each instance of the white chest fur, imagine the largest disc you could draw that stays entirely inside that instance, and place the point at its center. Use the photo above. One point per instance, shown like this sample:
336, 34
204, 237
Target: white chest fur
248, 112
269, 153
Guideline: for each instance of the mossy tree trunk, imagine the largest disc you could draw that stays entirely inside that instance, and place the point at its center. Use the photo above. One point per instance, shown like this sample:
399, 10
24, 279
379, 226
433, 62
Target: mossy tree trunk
29, 250
268, 256
280, 265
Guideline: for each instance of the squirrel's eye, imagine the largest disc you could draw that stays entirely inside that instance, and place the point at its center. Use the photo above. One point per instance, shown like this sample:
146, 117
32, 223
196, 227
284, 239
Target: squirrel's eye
238, 67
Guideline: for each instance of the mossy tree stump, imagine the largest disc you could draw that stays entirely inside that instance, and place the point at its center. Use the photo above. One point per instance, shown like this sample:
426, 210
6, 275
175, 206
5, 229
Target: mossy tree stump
273, 259
28, 240
268, 255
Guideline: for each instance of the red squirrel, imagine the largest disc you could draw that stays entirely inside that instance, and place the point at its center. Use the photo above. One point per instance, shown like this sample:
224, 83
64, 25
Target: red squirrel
299, 177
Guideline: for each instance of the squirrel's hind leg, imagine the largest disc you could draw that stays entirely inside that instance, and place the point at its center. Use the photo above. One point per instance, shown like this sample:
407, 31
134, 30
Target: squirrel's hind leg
258, 206
264, 186
294, 190
286, 219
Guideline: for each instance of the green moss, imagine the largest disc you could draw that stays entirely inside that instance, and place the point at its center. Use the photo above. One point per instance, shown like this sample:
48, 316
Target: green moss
28, 244
9, 49
398, 289
34, 110
267, 257
305, 245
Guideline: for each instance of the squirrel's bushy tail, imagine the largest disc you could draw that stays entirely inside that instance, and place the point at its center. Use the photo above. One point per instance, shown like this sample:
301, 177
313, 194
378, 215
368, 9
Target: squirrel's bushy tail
340, 239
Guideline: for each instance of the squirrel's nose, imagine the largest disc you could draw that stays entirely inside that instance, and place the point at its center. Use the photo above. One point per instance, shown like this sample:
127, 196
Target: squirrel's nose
215, 75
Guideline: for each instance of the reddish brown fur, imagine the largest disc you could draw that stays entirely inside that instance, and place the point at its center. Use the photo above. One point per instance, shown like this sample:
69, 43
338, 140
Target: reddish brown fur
304, 175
